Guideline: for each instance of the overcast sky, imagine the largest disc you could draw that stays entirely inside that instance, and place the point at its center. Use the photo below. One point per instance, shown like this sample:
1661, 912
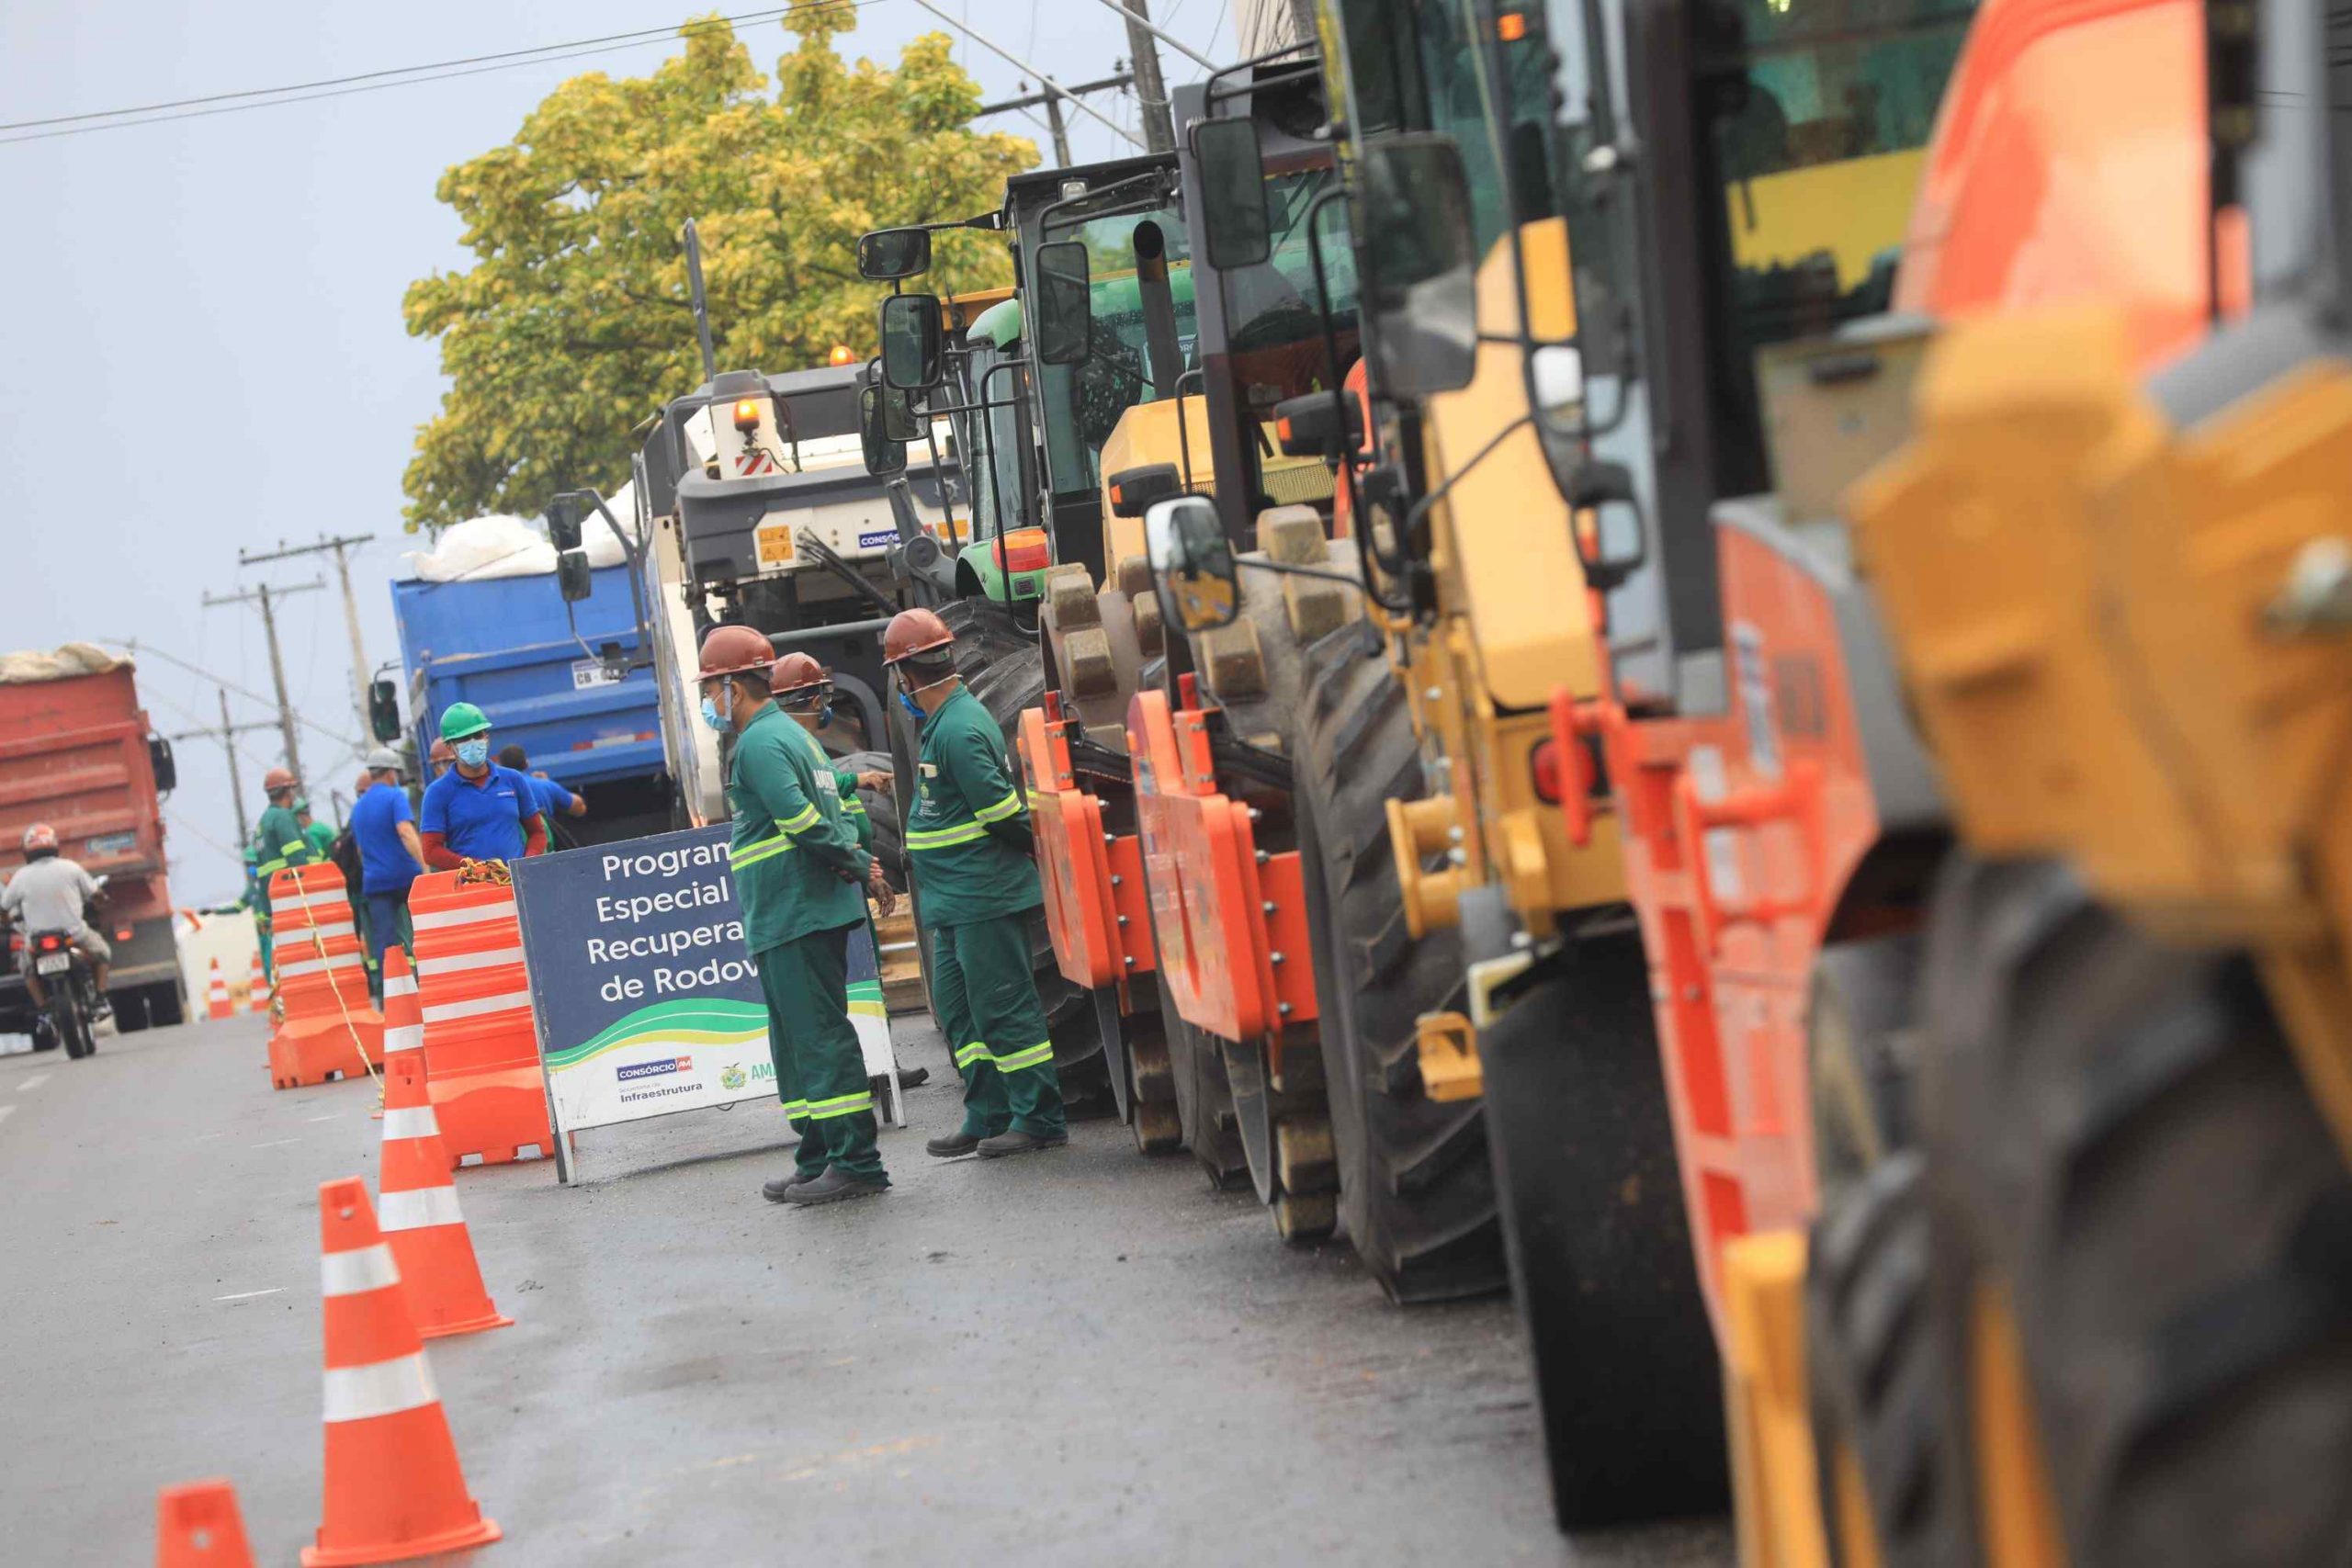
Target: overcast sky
201, 339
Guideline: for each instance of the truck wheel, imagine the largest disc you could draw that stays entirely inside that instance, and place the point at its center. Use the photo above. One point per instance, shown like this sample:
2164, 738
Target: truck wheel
166, 1006
1599, 1249
1417, 1195
2144, 1239
129, 1009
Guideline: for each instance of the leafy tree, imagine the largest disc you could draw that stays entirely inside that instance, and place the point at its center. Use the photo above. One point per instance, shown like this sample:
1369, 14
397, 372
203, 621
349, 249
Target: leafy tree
574, 324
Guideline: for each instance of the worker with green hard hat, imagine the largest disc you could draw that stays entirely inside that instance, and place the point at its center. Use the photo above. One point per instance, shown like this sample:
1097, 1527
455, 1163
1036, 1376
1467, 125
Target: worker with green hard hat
803, 882
967, 835
477, 810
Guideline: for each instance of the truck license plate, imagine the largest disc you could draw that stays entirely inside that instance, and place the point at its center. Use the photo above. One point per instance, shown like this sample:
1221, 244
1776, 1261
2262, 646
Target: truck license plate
587, 672
52, 962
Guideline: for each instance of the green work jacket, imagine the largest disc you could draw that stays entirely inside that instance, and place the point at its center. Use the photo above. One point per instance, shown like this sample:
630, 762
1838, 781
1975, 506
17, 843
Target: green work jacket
963, 872
279, 838
853, 815
797, 870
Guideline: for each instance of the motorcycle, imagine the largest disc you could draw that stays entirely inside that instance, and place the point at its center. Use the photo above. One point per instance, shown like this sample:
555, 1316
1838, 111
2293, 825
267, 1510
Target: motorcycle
73, 997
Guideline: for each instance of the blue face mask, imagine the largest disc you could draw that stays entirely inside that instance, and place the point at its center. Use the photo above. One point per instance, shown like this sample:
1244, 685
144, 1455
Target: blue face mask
825, 716
713, 717
473, 753
913, 707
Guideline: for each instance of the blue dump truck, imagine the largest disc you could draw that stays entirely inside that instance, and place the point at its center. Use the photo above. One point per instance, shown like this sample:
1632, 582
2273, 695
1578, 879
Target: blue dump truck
550, 683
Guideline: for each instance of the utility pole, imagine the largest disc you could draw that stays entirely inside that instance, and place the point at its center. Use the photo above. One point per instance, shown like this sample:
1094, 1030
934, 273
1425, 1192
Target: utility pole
227, 735
350, 604
1061, 131
1052, 103
277, 660
1151, 93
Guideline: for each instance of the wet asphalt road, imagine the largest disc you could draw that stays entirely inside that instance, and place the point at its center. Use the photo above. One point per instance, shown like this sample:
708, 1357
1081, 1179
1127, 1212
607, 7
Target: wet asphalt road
1079, 1357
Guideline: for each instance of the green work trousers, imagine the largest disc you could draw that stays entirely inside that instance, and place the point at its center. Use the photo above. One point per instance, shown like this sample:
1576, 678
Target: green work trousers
820, 1069
985, 1002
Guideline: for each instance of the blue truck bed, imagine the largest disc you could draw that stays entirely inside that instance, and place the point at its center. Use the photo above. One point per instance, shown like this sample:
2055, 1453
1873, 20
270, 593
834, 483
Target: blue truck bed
504, 644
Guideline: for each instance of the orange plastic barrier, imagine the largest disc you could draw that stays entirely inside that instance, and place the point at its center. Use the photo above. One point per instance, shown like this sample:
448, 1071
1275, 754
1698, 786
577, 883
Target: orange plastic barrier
327, 1029
481, 1052
257, 987
393, 1487
198, 1525
216, 995
418, 1209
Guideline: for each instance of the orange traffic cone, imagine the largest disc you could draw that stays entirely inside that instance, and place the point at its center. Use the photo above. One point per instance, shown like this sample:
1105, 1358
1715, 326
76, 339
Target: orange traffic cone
257, 988
418, 1205
216, 998
403, 1018
198, 1526
393, 1487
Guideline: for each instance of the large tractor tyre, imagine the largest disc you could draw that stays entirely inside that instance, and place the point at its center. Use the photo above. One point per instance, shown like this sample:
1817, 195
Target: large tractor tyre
1873, 1363
1417, 1193
881, 812
1600, 1250
1000, 665
2143, 1241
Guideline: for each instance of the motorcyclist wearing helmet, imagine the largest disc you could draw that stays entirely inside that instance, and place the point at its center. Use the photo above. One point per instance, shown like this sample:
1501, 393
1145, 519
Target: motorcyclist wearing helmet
967, 832
48, 895
803, 882
477, 810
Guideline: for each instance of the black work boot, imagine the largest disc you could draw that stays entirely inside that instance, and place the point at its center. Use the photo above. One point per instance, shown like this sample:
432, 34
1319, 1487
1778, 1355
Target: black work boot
1017, 1141
954, 1146
774, 1191
834, 1187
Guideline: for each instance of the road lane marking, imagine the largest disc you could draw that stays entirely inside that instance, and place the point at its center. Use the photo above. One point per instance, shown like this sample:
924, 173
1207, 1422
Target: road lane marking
32, 1080
208, 1137
248, 1295
274, 1144
5, 1110
330, 1116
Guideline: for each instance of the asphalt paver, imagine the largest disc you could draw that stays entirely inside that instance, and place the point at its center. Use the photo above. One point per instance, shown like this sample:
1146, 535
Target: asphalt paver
1080, 1356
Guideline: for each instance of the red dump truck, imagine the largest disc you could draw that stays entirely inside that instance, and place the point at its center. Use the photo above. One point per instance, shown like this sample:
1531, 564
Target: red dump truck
76, 753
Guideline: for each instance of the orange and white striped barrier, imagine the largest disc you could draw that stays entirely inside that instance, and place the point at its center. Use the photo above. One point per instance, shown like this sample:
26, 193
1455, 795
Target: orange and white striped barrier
198, 1525
326, 1028
417, 1206
257, 987
394, 1487
481, 1051
216, 996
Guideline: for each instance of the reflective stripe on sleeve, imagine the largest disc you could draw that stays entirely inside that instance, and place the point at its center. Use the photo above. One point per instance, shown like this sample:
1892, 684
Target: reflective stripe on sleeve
765, 849
420, 1209
383, 1388
1009, 807
801, 822
358, 1271
1035, 1056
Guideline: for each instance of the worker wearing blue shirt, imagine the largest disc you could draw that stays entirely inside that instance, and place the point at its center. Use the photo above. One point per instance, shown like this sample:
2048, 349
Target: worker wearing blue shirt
391, 857
477, 810
554, 799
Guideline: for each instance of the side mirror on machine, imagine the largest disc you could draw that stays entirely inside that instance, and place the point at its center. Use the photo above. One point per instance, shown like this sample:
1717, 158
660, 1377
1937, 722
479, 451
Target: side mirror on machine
885, 451
566, 514
1420, 263
1193, 559
1308, 425
1235, 231
384, 709
573, 576
1607, 559
1063, 303
887, 255
1137, 490
911, 340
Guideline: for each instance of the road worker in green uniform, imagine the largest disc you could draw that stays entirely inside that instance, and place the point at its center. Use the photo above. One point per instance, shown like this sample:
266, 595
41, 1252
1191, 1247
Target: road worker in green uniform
967, 834
278, 843
802, 882
804, 690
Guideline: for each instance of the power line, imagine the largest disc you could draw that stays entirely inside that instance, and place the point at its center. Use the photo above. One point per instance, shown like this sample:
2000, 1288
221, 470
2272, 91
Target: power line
143, 648
406, 76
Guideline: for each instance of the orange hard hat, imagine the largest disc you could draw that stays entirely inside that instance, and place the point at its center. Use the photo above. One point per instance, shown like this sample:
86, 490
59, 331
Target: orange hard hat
40, 836
442, 753
734, 650
795, 673
278, 779
914, 631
